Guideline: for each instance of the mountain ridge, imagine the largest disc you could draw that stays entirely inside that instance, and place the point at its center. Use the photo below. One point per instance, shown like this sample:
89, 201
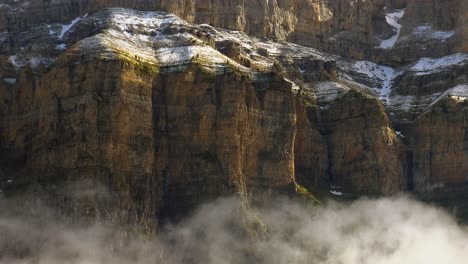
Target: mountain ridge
168, 114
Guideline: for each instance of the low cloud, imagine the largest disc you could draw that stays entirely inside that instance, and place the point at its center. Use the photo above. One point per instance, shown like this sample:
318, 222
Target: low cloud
391, 230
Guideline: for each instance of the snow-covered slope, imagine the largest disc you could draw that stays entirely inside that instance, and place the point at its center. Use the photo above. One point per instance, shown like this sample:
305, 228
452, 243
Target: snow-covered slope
393, 19
428, 65
382, 75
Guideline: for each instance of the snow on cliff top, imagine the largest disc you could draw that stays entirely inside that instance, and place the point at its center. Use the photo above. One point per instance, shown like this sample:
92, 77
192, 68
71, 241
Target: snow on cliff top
129, 20
140, 35
426, 31
328, 91
458, 93
181, 55
428, 65
382, 75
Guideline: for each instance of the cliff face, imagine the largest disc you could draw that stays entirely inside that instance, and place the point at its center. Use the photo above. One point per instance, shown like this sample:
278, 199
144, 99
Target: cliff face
430, 29
77, 121
222, 134
343, 27
167, 127
364, 150
137, 116
440, 144
353, 29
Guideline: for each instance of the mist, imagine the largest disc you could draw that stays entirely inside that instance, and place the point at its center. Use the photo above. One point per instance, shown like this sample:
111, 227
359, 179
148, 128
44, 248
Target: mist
374, 231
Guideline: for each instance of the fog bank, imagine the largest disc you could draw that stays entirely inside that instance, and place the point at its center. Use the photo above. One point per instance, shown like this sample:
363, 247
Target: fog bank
392, 230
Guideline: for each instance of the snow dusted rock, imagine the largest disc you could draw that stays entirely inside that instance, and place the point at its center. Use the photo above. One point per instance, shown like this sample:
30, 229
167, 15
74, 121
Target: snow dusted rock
438, 142
423, 82
167, 113
344, 27
429, 28
393, 19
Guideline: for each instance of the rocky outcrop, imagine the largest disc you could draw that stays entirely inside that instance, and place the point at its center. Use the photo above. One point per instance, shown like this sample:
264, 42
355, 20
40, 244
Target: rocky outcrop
222, 134
440, 145
428, 29
352, 29
311, 162
167, 124
343, 27
151, 115
364, 151
75, 127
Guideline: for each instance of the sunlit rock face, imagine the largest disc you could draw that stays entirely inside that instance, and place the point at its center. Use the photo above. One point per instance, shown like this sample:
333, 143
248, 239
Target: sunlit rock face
352, 29
344, 27
251, 98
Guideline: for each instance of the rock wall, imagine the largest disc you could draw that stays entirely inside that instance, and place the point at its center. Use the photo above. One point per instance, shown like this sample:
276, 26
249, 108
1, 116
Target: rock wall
428, 29
76, 126
352, 29
162, 143
344, 27
164, 133
440, 145
365, 154
222, 134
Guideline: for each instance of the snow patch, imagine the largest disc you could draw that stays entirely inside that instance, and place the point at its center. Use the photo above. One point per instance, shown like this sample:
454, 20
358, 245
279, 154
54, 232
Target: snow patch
113, 42
61, 47
223, 34
129, 20
382, 75
393, 19
329, 91
337, 193
21, 61
10, 80
427, 32
398, 133
51, 31
427, 65
67, 27
294, 87
3, 36
458, 93
180, 55
15, 61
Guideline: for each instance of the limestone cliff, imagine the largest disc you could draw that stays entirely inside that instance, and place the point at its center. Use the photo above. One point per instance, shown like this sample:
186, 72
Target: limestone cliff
353, 29
439, 143
137, 116
344, 27
168, 123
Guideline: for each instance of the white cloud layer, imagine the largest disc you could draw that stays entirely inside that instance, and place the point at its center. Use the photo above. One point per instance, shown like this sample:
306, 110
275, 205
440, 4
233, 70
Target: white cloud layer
392, 230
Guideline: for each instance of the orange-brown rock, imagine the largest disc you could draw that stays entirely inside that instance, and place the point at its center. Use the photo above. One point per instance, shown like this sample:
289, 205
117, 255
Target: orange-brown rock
221, 134
310, 147
164, 114
77, 125
345, 27
364, 152
439, 139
